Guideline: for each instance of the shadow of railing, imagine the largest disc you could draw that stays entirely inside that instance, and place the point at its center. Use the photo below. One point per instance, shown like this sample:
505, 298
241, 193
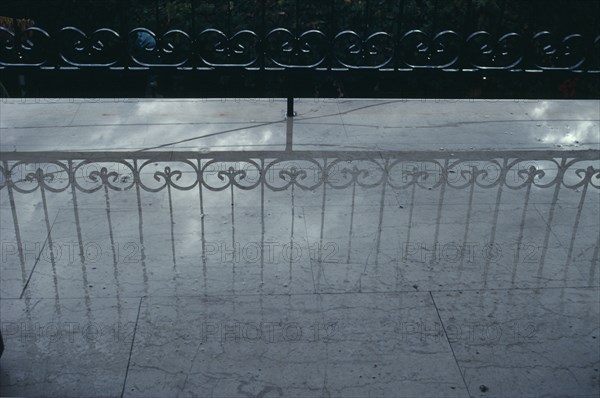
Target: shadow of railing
362, 177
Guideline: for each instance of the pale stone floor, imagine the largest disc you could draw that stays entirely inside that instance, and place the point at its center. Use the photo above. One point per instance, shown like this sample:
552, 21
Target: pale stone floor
391, 248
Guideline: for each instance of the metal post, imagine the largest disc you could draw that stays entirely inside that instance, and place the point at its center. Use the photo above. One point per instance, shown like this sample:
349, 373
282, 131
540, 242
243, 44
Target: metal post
290, 107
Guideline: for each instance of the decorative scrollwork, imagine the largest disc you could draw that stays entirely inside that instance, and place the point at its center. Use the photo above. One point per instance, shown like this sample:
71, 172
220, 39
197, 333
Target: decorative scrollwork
173, 48
418, 50
30, 47
284, 49
352, 51
555, 54
485, 52
594, 58
216, 49
101, 48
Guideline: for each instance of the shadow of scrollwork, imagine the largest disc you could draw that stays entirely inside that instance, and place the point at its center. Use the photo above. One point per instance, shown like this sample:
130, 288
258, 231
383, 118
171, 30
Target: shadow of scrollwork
278, 171
367, 179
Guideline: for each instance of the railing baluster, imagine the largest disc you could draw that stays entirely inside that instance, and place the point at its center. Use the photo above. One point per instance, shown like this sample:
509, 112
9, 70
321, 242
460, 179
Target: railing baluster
469, 26
297, 17
229, 18
263, 35
366, 24
331, 34
157, 21
124, 17
528, 33
434, 24
332, 27
498, 30
193, 17
398, 32
263, 22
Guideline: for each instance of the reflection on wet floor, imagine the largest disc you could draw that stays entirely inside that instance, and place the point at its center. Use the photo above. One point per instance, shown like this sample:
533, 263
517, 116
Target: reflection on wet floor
300, 273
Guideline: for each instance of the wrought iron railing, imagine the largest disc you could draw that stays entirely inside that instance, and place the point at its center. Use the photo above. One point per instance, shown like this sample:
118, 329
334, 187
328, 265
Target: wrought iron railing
374, 39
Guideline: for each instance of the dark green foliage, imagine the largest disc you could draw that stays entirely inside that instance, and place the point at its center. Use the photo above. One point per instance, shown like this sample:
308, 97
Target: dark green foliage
330, 16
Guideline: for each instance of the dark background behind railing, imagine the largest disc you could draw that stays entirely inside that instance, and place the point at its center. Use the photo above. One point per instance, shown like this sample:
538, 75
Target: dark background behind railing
330, 16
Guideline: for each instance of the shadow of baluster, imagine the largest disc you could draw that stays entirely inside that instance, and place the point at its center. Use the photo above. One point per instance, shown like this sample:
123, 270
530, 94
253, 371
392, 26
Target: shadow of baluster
492, 242
84, 275
443, 183
234, 258
381, 211
13, 209
350, 230
561, 171
531, 174
474, 172
137, 178
40, 177
594, 264
588, 174
202, 226
404, 251
104, 176
262, 234
320, 271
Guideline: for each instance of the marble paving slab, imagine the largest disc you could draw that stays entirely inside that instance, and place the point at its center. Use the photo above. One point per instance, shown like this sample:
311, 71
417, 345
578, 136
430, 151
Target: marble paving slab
66, 347
289, 345
534, 343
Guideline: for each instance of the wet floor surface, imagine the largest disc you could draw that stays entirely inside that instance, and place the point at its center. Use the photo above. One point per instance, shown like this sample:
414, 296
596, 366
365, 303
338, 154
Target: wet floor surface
364, 249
